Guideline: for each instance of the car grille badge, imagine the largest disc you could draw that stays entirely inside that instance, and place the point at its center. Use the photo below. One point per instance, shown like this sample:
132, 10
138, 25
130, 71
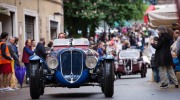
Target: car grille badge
71, 76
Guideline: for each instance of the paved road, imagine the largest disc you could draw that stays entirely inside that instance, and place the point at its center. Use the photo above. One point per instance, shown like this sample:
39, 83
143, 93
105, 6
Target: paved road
127, 88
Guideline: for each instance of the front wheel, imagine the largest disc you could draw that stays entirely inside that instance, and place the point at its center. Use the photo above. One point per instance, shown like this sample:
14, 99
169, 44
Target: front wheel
35, 88
108, 80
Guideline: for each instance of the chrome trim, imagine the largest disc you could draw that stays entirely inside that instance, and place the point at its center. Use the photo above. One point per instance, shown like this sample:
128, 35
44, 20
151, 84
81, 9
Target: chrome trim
125, 65
71, 75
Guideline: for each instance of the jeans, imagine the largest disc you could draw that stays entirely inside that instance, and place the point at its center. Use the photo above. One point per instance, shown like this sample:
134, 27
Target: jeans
27, 70
156, 74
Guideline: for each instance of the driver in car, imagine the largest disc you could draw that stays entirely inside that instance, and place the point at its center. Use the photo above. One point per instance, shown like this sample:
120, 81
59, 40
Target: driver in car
61, 36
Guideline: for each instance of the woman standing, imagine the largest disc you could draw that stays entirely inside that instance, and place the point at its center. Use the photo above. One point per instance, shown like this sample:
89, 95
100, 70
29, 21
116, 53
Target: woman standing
27, 52
163, 58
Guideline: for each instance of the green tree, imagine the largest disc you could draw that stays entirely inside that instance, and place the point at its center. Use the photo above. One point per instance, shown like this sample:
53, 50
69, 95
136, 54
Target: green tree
84, 14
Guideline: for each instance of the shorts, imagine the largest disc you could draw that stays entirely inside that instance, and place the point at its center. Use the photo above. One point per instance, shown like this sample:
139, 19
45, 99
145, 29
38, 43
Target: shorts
5, 68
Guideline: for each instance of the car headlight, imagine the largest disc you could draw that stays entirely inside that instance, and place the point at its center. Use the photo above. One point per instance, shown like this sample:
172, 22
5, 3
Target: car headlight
121, 62
52, 62
91, 62
135, 61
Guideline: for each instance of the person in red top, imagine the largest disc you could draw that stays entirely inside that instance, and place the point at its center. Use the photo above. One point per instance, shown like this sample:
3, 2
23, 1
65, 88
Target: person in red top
27, 52
5, 64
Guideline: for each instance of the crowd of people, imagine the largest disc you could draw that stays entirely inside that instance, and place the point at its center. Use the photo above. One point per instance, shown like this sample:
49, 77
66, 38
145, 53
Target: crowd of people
129, 37
9, 54
163, 45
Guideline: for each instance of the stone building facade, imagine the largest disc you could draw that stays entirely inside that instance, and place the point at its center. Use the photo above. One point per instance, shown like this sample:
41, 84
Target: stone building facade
31, 19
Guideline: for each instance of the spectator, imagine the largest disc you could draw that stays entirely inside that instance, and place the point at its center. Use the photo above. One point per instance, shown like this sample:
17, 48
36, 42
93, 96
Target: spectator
163, 57
91, 41
5, 64
100, 49
173, 46
49, 46
16, 61
125, 44
40, 49
33, 42
15, 48
41, 52
153, 65
176, 62
111, 48
132, 39
11, 49
27, 52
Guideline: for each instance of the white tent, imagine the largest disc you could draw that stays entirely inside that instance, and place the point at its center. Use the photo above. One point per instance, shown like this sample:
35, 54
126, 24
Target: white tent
163, 16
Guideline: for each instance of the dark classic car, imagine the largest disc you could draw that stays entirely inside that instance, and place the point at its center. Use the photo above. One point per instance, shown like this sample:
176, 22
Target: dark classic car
72, 64
130, 62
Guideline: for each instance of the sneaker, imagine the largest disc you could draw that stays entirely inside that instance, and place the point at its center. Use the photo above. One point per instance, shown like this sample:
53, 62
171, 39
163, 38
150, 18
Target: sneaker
176, 86
164, 86
1, 90
27, 81
8, 89
16, 88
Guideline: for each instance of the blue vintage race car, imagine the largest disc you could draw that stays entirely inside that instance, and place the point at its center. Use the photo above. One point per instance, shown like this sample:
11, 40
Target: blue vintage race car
71, 64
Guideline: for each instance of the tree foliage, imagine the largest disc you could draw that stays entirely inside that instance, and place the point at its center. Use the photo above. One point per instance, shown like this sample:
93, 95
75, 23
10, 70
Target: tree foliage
84, 14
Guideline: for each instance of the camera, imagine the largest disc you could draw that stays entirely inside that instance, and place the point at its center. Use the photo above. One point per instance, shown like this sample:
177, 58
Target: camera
156, 38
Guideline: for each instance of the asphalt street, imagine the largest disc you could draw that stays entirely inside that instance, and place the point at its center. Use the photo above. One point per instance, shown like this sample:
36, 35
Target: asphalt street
128, 88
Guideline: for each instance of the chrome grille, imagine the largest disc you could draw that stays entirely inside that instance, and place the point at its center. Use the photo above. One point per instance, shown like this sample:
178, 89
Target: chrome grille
71, 64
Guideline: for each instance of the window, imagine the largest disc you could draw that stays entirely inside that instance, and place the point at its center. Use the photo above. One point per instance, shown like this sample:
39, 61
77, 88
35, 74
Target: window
29, 27
53, 29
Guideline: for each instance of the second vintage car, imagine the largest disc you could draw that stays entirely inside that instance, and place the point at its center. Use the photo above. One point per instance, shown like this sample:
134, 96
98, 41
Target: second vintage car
130, 62
71, 64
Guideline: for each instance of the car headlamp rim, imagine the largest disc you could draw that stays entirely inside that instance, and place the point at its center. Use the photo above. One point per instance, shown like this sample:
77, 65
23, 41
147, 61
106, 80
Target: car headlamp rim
135, 61
91, 62
52, 62
120, 61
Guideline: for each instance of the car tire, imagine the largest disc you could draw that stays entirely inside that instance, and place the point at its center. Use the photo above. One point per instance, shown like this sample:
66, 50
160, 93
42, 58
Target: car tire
108, 79
42, 81
35, 87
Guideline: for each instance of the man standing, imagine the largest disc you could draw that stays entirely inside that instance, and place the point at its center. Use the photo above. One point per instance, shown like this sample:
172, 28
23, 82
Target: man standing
100, 49
11, 49
16, 61
5, 64
41, 52
163, 57
40, 49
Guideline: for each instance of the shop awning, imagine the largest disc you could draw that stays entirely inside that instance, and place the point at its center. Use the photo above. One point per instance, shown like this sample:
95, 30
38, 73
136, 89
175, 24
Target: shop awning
4, 10
163, 16
150, 8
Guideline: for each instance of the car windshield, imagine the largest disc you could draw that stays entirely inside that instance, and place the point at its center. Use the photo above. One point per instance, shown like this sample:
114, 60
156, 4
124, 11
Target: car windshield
81, 41
129, 54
